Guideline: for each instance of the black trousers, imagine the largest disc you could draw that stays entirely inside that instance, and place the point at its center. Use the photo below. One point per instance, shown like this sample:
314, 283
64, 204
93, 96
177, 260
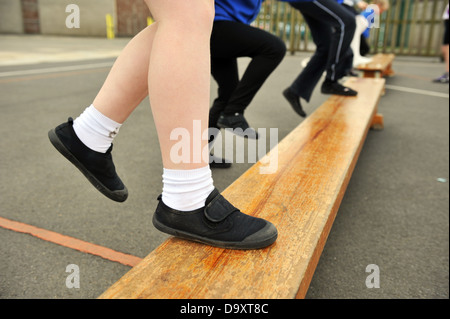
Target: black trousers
332, 29
229, 41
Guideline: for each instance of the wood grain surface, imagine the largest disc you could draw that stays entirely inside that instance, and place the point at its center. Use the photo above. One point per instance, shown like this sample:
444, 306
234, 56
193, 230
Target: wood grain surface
315, 163
381, 65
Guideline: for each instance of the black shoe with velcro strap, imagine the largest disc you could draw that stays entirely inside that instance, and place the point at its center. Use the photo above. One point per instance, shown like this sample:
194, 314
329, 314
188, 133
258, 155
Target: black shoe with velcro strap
218, 224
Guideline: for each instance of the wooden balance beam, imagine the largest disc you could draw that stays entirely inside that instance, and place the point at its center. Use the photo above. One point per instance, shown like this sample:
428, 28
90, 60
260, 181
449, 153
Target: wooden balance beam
315, 163
381, 65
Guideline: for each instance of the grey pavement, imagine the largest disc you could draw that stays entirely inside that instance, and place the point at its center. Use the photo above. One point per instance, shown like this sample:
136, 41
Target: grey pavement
395, 213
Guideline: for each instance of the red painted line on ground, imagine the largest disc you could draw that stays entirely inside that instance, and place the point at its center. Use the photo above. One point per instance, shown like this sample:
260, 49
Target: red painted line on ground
70, 242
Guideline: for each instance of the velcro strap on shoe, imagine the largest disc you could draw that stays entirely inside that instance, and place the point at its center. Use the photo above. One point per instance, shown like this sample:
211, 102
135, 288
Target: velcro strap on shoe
219, 209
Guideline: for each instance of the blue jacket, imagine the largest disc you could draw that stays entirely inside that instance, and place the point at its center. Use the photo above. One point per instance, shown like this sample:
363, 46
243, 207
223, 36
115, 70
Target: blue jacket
297, 0
244, 11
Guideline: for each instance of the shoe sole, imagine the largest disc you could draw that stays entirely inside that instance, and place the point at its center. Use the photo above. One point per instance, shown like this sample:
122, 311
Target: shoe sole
349, 93
250, 245
118, 196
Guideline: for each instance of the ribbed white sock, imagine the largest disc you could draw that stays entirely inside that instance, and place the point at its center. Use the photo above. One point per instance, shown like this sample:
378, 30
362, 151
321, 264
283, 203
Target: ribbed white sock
95, 130
187, 190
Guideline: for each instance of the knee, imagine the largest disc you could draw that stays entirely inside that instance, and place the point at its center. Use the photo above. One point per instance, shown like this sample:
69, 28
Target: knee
322, 50
275, 49
201, 14
187, 15
280, 49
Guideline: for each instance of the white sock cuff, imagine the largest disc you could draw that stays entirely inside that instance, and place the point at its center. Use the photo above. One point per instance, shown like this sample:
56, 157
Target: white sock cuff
106, 121
187, 190
187, 175
96, 130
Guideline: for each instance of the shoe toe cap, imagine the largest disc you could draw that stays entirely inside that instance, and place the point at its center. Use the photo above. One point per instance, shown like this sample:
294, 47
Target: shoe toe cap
262, 238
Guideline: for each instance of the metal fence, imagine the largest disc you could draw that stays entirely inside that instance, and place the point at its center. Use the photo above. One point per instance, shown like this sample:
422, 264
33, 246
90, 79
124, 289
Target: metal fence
409, 27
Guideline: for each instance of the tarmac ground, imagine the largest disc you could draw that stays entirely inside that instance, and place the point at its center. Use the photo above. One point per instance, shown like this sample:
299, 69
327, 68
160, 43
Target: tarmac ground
395, 213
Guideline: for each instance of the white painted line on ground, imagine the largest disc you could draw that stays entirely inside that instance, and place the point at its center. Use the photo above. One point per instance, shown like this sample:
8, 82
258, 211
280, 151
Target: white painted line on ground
417, 91
56, 69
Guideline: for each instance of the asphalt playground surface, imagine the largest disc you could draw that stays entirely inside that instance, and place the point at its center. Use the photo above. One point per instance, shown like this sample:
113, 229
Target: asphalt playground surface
395, 213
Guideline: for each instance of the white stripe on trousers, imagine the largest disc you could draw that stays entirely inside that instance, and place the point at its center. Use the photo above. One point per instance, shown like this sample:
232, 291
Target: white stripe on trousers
341, 40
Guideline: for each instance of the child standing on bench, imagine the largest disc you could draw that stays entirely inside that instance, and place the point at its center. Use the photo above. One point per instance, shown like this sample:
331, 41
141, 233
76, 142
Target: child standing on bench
332, 29
233, 37
170, 62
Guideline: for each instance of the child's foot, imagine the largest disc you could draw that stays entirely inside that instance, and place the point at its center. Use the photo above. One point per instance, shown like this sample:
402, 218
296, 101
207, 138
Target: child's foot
98, 167
294, 101
218, 224
442, 79
361, 60
330, 87
239, 125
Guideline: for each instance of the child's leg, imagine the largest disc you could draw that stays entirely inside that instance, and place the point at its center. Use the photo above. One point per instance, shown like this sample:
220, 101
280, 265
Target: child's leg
361, 25
175, 52
446, 58
86, 142
124, 88
179, 85
179, 73
127, 83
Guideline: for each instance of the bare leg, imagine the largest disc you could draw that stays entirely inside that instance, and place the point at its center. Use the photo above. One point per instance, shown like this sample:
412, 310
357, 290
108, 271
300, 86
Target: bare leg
179, 73
170, 61
444, 78
445, 51
126, 85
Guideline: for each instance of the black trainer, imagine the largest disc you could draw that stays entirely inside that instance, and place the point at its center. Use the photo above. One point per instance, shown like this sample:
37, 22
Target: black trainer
239, 125
98, 168
294, 101
218, 224
331, 87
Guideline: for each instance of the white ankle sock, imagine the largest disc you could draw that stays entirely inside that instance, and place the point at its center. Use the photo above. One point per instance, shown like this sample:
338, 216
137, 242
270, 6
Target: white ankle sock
95, 130
361, 25
187, 190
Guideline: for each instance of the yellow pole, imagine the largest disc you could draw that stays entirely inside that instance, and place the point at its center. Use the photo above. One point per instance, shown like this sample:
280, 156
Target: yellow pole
149, 21
109, 27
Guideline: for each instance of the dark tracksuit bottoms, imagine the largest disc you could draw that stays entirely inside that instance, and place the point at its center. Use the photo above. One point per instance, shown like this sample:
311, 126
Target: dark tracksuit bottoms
229, 41
332, 29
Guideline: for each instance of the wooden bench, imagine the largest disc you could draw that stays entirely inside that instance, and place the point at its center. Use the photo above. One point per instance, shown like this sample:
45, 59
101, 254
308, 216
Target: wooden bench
315, 163
381, 65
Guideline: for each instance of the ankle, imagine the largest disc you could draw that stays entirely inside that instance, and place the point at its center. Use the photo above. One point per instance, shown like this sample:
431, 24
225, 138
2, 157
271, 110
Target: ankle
95, 130
187, 190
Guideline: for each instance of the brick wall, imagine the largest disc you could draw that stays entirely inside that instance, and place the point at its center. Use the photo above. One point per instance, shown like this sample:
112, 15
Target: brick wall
30, 16
131, 17
92, 14
49, 16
